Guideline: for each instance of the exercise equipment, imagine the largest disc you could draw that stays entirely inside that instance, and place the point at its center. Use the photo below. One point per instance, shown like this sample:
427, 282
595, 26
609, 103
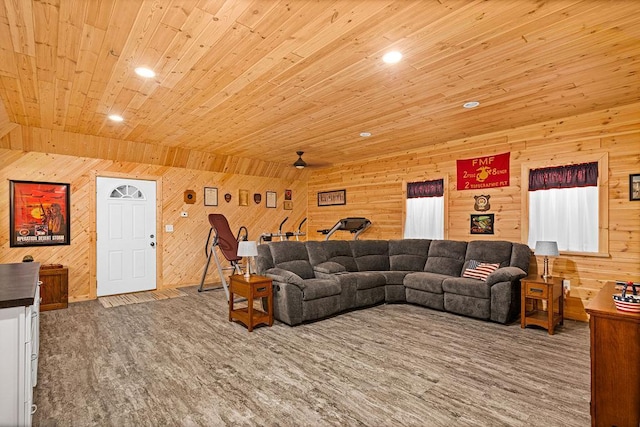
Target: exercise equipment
224, 240
268, 237
353, 225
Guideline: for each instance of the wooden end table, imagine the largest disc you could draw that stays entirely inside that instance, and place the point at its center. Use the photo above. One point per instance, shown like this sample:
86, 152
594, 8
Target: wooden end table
253, 288
536, 289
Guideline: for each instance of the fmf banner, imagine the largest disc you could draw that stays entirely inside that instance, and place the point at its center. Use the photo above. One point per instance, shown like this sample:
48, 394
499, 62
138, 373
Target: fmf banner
483, 172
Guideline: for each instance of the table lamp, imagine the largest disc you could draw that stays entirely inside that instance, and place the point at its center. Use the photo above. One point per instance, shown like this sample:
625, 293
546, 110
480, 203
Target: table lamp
248, 249
546, 249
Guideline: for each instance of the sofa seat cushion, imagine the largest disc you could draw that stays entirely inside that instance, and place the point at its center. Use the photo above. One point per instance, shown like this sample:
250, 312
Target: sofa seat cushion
464, 286
365, 279
319, 288
394, 277
424, 281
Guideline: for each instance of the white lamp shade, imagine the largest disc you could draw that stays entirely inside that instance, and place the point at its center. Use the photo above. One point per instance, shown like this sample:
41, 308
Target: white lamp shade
247, 248
545, 248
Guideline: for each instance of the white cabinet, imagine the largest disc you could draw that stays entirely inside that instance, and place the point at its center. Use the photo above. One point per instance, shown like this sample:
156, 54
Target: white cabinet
19, 341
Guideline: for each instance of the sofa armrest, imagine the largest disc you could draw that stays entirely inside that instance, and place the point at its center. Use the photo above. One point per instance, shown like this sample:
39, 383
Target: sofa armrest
329, 267
505, 274
284, 276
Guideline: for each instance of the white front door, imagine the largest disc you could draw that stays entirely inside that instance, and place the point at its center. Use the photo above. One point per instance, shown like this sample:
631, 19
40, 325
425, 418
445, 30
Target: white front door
126, 235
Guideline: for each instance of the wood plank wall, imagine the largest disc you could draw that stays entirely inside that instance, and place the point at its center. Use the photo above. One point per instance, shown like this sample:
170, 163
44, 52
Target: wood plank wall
5, 124
375, 190
182, 251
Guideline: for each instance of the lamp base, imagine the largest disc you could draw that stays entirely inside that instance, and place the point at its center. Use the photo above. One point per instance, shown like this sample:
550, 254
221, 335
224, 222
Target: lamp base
247, 276
545, 273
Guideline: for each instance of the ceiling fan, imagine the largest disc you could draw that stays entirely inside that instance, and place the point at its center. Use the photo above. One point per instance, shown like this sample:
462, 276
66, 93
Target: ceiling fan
300, 164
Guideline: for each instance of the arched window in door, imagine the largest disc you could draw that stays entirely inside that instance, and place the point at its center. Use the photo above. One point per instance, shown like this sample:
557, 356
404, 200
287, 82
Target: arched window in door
127, 192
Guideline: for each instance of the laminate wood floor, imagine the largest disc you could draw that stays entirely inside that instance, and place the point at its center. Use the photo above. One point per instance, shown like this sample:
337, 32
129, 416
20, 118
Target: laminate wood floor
179, 362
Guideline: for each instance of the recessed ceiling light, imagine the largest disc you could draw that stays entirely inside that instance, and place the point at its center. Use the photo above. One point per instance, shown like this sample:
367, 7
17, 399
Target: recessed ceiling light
115, 117
392, 57
470, 104
365, 134
145, 72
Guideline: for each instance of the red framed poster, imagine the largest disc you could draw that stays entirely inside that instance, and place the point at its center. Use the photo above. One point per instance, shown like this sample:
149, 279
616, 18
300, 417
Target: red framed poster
39, 214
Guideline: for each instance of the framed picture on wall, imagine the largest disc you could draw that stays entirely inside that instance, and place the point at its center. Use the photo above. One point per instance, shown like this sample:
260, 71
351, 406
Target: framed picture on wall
39, 214
482, 224
210, 196
331, 198
243, 198
634, 187
272, 199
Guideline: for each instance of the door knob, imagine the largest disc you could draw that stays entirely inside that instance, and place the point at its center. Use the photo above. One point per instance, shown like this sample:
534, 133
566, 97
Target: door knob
152, 236
152, 244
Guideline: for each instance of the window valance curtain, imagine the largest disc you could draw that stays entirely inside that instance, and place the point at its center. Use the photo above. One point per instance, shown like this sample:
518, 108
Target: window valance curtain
569, 176
433, 188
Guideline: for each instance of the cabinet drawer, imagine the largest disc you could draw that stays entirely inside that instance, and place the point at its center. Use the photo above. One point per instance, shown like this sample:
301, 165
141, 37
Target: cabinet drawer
262, 291
536, 290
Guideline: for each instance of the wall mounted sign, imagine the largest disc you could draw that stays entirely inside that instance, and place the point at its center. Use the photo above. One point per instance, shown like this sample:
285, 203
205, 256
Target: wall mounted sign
227, 197
288, 205
482, 224
257, 198
483, 172
272, 199
189, 197
288, 194
210, 196
330, 198
39, 214
481, 203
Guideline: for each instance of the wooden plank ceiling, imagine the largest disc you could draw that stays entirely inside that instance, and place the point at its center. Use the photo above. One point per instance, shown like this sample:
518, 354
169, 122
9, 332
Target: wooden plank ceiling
261, 79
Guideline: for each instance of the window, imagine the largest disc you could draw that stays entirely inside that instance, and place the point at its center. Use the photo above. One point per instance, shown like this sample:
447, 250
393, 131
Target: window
425, 210
567, 204
126, 192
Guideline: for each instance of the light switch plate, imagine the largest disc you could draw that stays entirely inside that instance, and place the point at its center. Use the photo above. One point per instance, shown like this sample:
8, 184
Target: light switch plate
168, 228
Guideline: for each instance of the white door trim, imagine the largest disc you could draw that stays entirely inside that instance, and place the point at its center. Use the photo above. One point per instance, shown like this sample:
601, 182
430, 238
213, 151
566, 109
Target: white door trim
93, 287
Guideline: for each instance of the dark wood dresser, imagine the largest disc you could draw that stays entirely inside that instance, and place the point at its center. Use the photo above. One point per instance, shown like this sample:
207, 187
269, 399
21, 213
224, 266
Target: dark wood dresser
55, 287
615, 362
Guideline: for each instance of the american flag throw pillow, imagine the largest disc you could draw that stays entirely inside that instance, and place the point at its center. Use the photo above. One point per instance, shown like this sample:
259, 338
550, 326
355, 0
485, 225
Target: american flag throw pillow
479, 270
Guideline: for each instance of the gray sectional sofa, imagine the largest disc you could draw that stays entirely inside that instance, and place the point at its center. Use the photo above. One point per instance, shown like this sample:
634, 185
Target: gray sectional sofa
317, 279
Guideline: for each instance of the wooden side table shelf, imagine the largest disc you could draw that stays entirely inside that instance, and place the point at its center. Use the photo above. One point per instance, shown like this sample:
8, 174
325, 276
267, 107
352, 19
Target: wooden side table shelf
253, 288
535, 290
54, 290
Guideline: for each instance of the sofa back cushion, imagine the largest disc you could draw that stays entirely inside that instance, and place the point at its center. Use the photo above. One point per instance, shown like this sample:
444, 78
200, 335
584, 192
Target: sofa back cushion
521, 256
371, 255
292, 256
332, 250
446, 257
489, 251
264, 260
408, 254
